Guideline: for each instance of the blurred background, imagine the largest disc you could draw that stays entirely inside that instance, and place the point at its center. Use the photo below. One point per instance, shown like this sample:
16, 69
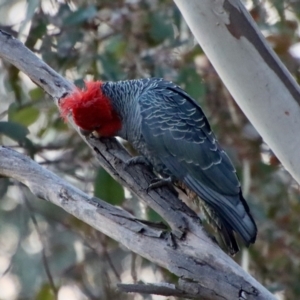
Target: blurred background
47, 254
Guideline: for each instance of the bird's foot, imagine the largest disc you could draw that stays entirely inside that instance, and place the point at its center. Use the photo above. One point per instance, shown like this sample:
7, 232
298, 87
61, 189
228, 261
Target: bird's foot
160, 182
137, 160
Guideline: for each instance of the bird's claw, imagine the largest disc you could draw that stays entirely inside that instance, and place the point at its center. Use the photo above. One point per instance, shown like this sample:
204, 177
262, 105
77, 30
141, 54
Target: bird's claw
137, 160
159, 182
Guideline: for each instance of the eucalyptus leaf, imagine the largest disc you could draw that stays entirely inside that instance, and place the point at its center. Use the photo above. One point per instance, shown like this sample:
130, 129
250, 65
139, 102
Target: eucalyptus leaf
45, 293
14, 130
81, 15
106, 188
25, 116
160, 28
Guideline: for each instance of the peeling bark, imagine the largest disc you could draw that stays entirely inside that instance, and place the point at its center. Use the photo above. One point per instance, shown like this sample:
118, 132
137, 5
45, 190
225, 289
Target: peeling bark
256, 78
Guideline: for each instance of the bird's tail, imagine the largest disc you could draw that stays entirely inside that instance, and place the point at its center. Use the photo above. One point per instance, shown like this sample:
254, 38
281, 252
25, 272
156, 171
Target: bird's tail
225, 221
220, 225
226, 214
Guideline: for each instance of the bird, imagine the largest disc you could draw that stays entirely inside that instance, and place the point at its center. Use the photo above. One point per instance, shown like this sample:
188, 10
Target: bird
170, 132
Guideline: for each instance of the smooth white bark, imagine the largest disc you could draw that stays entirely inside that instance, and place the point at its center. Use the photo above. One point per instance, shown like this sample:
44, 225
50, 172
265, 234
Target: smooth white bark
253, 74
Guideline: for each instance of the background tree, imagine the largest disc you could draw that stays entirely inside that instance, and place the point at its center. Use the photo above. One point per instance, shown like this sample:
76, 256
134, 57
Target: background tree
112, 41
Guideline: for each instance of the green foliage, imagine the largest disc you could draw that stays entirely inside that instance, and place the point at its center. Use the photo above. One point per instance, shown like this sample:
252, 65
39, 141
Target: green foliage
80, 16
14, 130
25, 116
160, 27
36, 94
106, 188
45, 293
190, 80
154, 216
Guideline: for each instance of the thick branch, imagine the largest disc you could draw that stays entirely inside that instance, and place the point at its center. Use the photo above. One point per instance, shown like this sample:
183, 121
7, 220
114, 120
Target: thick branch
205, 270
259, 82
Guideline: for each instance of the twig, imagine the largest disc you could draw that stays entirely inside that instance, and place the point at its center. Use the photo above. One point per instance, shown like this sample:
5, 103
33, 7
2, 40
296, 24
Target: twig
164, 289
44, 257
110, 262
133, 267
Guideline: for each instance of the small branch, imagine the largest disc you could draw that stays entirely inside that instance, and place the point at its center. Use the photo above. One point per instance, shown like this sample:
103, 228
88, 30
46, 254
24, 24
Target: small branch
133, 267
44, 257
38, 71
107, 256
164, 289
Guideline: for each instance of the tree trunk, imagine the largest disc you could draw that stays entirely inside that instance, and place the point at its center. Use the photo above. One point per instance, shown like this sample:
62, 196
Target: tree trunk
256, 78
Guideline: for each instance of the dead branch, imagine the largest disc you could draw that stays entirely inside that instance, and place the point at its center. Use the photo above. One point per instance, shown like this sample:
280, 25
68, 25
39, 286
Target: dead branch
205, 270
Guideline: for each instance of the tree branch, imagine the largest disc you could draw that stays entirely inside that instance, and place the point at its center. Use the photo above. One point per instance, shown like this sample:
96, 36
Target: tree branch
42, 240
205, 270
164, 289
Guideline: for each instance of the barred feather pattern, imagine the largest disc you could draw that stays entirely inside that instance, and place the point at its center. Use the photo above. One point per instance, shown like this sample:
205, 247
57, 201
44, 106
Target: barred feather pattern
167, 127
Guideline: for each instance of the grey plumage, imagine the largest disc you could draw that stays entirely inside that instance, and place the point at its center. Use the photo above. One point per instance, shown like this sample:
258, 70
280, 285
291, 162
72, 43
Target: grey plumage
169, 128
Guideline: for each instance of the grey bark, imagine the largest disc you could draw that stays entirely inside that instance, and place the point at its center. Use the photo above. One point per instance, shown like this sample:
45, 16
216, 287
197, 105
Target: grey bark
203, 268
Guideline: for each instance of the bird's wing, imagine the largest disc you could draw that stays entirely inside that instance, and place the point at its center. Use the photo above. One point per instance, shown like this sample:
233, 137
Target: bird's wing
177, 131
